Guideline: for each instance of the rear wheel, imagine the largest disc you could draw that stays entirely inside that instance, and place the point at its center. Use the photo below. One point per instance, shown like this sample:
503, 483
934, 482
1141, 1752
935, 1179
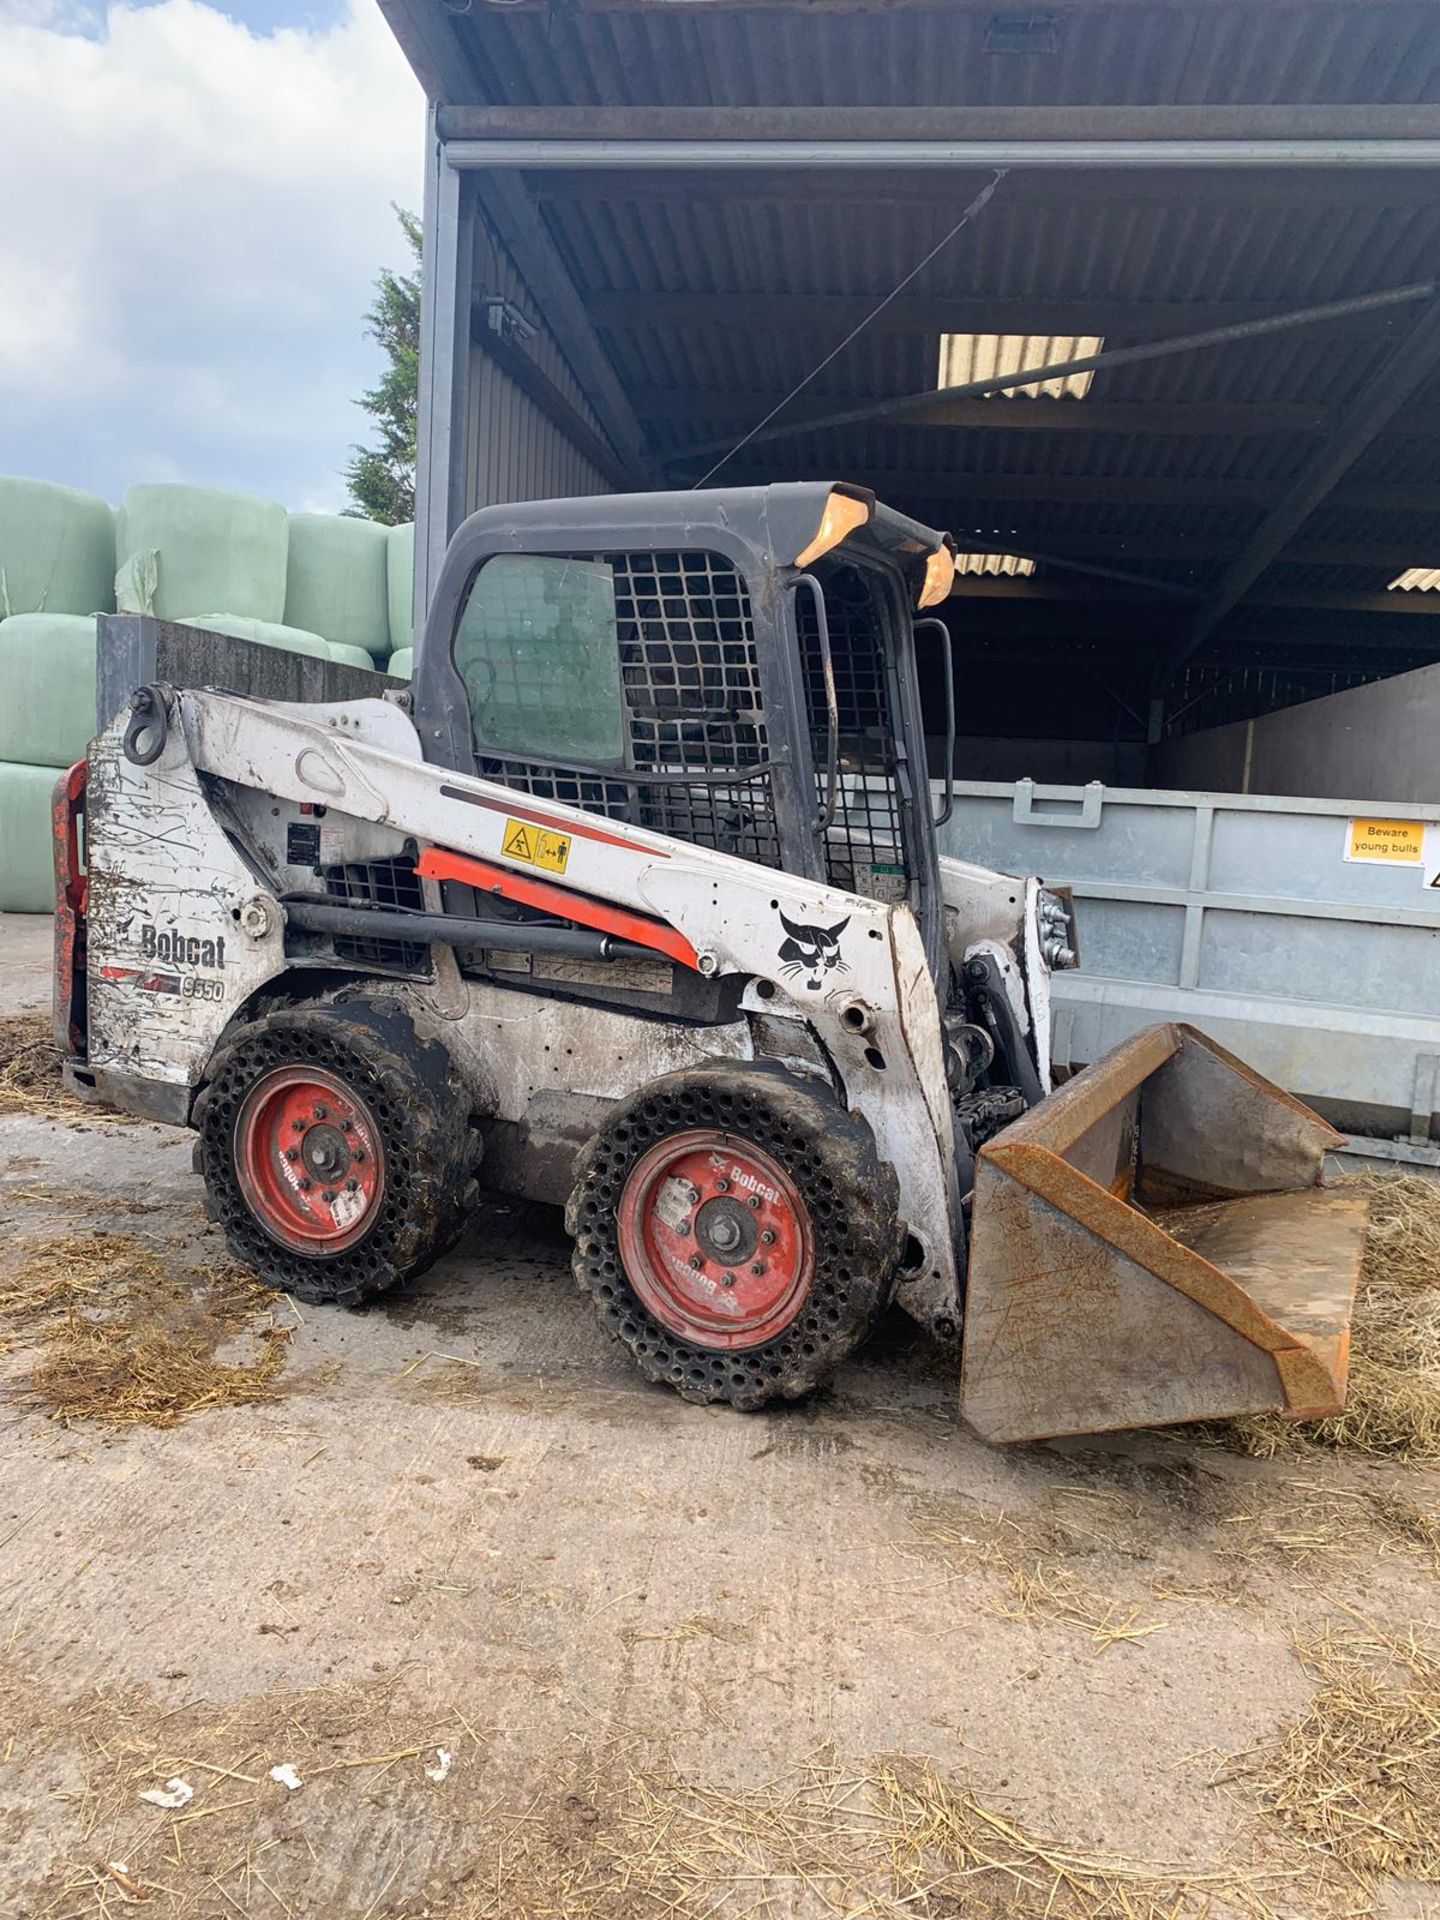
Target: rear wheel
335, 1148
737, 1231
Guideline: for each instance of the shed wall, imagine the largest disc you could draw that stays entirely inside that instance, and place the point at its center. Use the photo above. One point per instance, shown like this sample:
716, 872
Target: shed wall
514, 450
1377, 742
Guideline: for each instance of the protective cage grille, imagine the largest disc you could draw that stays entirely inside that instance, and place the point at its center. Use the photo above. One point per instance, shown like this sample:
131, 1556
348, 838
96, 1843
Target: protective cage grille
693, 704
865, 851
377, 883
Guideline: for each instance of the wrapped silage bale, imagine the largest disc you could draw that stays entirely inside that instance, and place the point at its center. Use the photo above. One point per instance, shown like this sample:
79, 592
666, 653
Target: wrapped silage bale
264, 633
27, 872
179, 547
57, 549
337, 583
401, 663
401, 574
47, 688
355, 657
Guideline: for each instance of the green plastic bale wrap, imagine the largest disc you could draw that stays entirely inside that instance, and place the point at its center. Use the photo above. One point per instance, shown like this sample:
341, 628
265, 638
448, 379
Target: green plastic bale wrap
401, 572
337, 581
27, 871
355, 657
402, 663
265, 633
57, 549
178, 548
47, 688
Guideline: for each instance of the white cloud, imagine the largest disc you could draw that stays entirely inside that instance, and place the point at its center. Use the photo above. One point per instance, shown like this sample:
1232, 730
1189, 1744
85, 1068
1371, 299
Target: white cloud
191, 219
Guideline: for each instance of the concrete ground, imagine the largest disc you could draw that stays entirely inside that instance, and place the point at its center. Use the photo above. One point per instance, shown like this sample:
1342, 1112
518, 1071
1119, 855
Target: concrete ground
461, 1521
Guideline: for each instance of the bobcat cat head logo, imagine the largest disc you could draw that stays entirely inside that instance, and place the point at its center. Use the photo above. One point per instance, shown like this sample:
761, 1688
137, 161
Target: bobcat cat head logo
814, 951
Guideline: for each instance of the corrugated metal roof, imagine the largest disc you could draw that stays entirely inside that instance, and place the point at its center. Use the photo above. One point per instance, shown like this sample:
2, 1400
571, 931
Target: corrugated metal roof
715, 297
712, 55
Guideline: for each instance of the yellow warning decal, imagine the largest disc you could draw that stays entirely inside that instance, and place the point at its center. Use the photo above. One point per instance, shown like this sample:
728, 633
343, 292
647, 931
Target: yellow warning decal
536, 845
1392, 843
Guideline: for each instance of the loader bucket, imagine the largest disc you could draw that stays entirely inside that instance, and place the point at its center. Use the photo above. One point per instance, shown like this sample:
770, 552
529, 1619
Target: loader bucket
1152, 1244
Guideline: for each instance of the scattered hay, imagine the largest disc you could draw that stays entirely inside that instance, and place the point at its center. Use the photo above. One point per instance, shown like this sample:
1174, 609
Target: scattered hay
1309, 1525
609, 1832
1081, 1521
1358, 1777
129, 1333
243, 1833
30, 1066
890, 1837
30, 1079
1393, 1405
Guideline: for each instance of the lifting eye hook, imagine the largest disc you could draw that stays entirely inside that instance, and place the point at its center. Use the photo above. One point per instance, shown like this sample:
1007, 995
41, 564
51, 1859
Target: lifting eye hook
148, 729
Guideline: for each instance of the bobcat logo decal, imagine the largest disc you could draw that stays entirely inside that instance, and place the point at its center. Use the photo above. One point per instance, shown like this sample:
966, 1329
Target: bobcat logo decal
813, 951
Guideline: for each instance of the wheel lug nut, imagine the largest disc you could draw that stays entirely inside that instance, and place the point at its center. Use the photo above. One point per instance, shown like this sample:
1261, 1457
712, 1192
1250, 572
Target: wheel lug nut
320, 1112
306, 1185
347, 1126
768, 1236
292, 1153
727, 1279
754, 1202
297, 1126
697, 1261
759, 1267
722, 1186
358, 1158
328, 1194
352, 1186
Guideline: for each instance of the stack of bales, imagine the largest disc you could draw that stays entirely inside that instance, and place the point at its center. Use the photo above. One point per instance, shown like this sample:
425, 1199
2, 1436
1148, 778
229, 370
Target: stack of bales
57, 571
317, 584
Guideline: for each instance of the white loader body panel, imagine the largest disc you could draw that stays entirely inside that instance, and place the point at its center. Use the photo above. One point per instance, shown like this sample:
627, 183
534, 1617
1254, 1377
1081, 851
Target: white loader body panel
848, 969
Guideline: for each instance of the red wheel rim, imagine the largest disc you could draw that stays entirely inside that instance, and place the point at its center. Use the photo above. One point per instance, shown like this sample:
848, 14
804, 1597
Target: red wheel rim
715, 1240
309, 1159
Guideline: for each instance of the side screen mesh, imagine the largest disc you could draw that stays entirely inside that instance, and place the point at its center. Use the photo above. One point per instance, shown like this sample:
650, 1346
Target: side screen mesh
866, 850
692, 706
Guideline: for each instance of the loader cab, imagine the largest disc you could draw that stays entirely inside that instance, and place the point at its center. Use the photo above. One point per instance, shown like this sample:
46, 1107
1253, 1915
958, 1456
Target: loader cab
733, 668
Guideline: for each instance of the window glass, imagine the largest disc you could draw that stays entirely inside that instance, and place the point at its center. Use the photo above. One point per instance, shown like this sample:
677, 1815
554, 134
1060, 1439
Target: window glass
538, 650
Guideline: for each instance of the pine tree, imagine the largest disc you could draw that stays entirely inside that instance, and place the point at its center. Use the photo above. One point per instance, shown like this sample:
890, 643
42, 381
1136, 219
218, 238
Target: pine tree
381, 479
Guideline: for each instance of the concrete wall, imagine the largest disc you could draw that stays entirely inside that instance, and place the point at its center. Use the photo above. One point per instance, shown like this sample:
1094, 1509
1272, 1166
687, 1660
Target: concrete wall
1380, 742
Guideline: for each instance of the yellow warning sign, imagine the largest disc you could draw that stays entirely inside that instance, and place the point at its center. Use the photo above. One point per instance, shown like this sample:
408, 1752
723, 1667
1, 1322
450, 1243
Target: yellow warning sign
536, 845
1391, 843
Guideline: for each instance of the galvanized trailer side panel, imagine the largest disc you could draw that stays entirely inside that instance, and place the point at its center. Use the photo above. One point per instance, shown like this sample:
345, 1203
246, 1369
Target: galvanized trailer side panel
1242, 914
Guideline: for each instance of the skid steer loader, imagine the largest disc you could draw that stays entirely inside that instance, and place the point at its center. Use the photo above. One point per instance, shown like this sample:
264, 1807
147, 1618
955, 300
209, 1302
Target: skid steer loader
633, 902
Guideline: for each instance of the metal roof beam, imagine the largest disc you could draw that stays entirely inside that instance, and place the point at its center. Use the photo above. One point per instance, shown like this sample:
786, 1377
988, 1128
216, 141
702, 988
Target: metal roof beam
1042, 413
1004, 153
1325, 124
953, 495
1269, 189
1358, 423
813, 313
1010, 588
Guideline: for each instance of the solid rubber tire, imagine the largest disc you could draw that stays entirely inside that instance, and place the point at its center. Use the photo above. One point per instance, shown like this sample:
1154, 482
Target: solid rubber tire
410, 1085
851, 1197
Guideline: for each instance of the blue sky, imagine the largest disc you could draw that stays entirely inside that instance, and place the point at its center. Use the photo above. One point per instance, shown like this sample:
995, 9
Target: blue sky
195, 204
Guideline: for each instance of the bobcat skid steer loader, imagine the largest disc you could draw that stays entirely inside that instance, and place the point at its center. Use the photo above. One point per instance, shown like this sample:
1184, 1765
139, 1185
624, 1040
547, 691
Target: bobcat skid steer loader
633, 902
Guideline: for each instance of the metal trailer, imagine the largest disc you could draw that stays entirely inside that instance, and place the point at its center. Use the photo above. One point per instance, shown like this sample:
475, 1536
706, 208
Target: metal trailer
1257, 918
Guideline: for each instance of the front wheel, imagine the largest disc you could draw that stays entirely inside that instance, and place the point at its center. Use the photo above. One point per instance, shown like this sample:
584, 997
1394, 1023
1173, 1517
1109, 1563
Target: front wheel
737, 1231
